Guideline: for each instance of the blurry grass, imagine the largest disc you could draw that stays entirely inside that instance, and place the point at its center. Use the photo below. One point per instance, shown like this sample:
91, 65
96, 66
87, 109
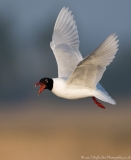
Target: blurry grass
37, 132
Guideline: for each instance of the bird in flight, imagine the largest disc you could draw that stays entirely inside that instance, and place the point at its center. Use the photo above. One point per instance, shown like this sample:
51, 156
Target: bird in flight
78, 77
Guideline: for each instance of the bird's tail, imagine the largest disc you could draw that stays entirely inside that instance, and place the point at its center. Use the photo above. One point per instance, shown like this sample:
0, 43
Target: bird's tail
101, 94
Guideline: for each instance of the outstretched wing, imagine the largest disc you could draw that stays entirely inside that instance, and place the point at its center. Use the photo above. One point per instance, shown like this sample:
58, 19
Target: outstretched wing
90, 70
65, 43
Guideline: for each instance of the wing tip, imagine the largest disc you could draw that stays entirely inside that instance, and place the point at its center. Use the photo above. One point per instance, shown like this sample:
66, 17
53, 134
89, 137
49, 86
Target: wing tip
116, 40
66, 29
65, 9
115, 36
113, 40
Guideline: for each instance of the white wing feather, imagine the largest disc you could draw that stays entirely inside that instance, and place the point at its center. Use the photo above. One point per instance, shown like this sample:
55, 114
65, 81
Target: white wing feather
65, 43
90, 70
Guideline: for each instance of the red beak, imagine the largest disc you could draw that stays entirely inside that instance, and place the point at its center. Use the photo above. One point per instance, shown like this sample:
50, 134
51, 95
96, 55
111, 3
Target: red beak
42, 87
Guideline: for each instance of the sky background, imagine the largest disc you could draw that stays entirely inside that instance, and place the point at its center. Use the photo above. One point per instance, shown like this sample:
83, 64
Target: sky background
26, 29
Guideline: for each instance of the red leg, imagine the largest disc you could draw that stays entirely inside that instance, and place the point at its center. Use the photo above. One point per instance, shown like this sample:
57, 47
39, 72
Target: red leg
98, 103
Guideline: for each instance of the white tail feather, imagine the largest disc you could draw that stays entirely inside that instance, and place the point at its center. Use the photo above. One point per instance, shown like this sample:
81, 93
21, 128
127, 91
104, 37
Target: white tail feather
101, 94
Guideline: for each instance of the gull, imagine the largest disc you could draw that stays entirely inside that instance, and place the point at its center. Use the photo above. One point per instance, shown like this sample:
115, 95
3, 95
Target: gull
78, 77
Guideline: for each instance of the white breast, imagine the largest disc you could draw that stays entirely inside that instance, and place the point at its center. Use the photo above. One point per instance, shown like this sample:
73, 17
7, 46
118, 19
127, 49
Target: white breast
62, 90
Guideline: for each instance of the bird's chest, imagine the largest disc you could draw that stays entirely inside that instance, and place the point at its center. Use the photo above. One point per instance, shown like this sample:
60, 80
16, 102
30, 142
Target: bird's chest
71, 93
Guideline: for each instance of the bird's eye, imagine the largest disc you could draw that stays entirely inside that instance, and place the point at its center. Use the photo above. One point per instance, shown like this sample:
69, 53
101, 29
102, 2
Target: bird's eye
46, 81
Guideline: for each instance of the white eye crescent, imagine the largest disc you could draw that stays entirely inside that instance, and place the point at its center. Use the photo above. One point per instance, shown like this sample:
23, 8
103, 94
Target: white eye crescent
46, 81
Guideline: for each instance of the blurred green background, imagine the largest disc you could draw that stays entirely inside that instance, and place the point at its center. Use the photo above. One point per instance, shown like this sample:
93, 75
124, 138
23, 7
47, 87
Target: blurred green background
48, 127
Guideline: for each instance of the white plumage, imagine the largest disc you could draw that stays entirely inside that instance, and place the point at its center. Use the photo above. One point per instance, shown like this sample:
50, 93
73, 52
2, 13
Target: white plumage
78, 77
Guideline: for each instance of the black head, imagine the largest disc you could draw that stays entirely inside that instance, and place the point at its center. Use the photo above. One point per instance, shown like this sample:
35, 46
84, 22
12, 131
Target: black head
45, 83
